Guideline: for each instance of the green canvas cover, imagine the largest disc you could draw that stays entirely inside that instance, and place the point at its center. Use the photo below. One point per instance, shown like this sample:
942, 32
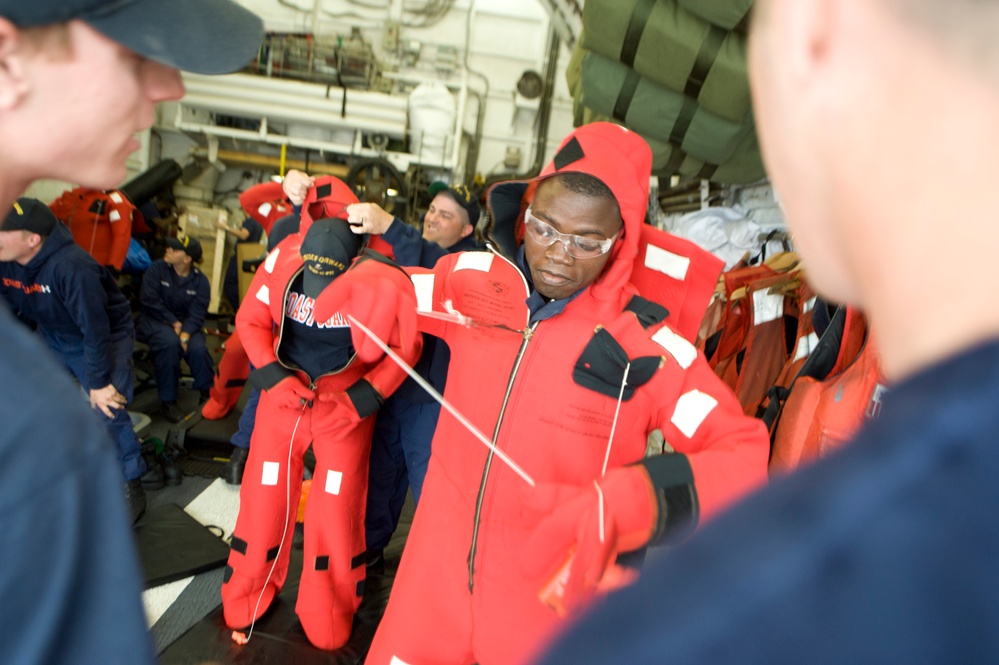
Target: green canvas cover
610, 88
673, 47
724, 13
745, 165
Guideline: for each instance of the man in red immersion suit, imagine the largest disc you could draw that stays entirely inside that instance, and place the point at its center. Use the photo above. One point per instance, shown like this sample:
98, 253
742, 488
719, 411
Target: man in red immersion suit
315, 391
557, 358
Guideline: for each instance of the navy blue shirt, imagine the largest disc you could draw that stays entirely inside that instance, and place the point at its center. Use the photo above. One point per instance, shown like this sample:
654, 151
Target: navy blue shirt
167, 297
884, 552
314, 347
69, 577
72, 300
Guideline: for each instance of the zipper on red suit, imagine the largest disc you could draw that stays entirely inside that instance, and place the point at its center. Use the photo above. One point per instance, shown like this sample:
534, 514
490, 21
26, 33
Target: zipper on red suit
528, 334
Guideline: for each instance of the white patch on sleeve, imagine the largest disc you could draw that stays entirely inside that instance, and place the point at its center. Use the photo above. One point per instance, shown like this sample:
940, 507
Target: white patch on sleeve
666, 262
424, 285
265, 209
264, 295
397, 661
334, 479
805, 346
271, 261
270, 474
691, 410
114, 216
480, 261
767, 307
116, 197
683, 352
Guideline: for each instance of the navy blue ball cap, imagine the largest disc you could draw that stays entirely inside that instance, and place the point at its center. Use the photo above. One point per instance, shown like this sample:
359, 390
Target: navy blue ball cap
200, 36
461, 195
327, 250
30, 215
187, 244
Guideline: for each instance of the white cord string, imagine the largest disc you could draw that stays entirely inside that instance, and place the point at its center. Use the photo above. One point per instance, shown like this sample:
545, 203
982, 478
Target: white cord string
284, 533
443, 402
617, 411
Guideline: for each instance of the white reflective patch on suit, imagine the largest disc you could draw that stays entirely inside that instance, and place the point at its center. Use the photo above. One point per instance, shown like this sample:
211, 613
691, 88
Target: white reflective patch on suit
264, 295
480, 261
691, 410
397, 661
809, 305
334, 479
683, 352
270, 473
116, 197
424, 285
265, 209
805, 346
114, 216
271, 260
767, 307
666, 262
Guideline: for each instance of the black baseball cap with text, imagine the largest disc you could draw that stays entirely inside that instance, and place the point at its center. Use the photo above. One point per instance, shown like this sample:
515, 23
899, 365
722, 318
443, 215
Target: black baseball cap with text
187, 244
200, 36
30, 215
461, 195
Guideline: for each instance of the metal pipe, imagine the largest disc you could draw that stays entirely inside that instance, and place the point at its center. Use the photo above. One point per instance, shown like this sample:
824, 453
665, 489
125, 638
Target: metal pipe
256, 160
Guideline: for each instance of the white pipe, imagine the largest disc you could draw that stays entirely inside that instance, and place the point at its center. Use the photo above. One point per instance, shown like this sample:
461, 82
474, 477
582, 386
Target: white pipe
330, 119
298, 88
251, 98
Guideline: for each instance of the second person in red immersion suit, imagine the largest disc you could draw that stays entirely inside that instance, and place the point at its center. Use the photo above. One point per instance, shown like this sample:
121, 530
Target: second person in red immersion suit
563, 368
315, 391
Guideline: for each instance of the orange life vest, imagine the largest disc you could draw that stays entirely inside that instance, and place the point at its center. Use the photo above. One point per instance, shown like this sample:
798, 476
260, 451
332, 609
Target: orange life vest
823, 410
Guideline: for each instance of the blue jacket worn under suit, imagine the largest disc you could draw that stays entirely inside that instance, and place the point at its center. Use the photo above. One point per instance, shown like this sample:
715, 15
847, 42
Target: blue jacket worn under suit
78, 309
404, 426
166, 298
884, 552
70, 576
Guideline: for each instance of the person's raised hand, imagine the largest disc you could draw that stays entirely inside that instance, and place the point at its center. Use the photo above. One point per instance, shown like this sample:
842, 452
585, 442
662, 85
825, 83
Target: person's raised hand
368, 218
296, 186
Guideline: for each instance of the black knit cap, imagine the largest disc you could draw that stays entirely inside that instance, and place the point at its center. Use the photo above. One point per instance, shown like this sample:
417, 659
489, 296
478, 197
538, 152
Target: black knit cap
327, 250
30, 215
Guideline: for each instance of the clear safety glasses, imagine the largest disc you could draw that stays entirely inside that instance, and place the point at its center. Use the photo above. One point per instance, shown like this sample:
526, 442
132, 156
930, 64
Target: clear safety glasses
578, 247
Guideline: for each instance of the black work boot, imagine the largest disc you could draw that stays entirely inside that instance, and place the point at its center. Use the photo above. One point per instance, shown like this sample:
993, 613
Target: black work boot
169, 460
232, 472
153, 478
135, 499
172, 411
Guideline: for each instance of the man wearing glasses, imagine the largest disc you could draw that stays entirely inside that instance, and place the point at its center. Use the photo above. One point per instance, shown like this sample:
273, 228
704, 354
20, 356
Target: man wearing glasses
565, 373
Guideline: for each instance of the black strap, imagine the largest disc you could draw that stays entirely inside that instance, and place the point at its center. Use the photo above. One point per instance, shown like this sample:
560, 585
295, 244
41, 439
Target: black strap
673, 481
703, 62
683, 119
365, 398
636, 26
268, 376
648, 313
626, 94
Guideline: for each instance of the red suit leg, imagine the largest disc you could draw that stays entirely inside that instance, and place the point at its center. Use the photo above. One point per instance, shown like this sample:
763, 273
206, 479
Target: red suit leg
268, 505
234, 368
333, 566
